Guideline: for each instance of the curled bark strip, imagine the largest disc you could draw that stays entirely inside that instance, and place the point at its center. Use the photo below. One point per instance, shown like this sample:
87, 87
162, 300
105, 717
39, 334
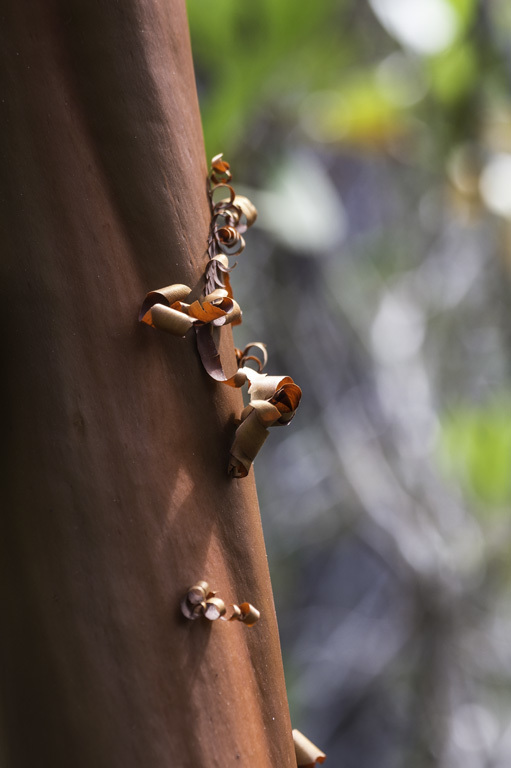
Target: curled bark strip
220, 262
243, 357
192, 612
249, 615
307, 754
166, 296
273, 402
217, 274
224, 202
249, 439
220, 170
215, 608
210, 357
237, 210
245, 613
164, 309
247, 208
229, 240
168, 319
240, 210
217, 308
273, 399
198, 593
235, 614
193, 603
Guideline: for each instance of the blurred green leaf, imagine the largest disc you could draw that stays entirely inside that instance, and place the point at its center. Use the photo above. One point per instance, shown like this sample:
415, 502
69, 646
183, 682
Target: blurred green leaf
251, 55
364, 112
475, 448
465, 10
454, 73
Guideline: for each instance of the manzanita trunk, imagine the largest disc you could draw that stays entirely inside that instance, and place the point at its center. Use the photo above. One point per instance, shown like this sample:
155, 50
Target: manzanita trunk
115, 496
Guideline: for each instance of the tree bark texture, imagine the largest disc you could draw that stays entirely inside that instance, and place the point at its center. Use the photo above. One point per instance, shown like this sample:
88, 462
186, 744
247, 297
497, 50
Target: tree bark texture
114, 495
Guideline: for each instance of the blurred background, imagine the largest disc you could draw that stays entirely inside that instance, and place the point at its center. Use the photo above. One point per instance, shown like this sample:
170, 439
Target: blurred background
374, 137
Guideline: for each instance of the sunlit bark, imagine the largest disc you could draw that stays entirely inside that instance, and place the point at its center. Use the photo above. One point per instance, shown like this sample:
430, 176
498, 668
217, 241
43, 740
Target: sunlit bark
114, 494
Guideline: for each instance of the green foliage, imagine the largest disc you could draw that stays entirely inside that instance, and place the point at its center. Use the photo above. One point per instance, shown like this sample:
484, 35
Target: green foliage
260, 62
475, 448
465, 11
454, 72
363, 112
249, 54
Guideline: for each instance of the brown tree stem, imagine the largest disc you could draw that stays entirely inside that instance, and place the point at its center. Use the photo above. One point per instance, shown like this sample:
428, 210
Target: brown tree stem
114, 494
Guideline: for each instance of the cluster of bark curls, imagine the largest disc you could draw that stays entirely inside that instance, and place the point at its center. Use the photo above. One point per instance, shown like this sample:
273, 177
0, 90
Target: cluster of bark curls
201, 601
273, 399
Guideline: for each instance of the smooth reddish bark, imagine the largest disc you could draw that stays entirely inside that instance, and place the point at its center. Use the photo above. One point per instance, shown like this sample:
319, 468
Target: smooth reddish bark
114, 493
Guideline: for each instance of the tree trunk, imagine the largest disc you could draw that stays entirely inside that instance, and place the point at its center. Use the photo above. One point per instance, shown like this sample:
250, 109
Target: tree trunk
115, 495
